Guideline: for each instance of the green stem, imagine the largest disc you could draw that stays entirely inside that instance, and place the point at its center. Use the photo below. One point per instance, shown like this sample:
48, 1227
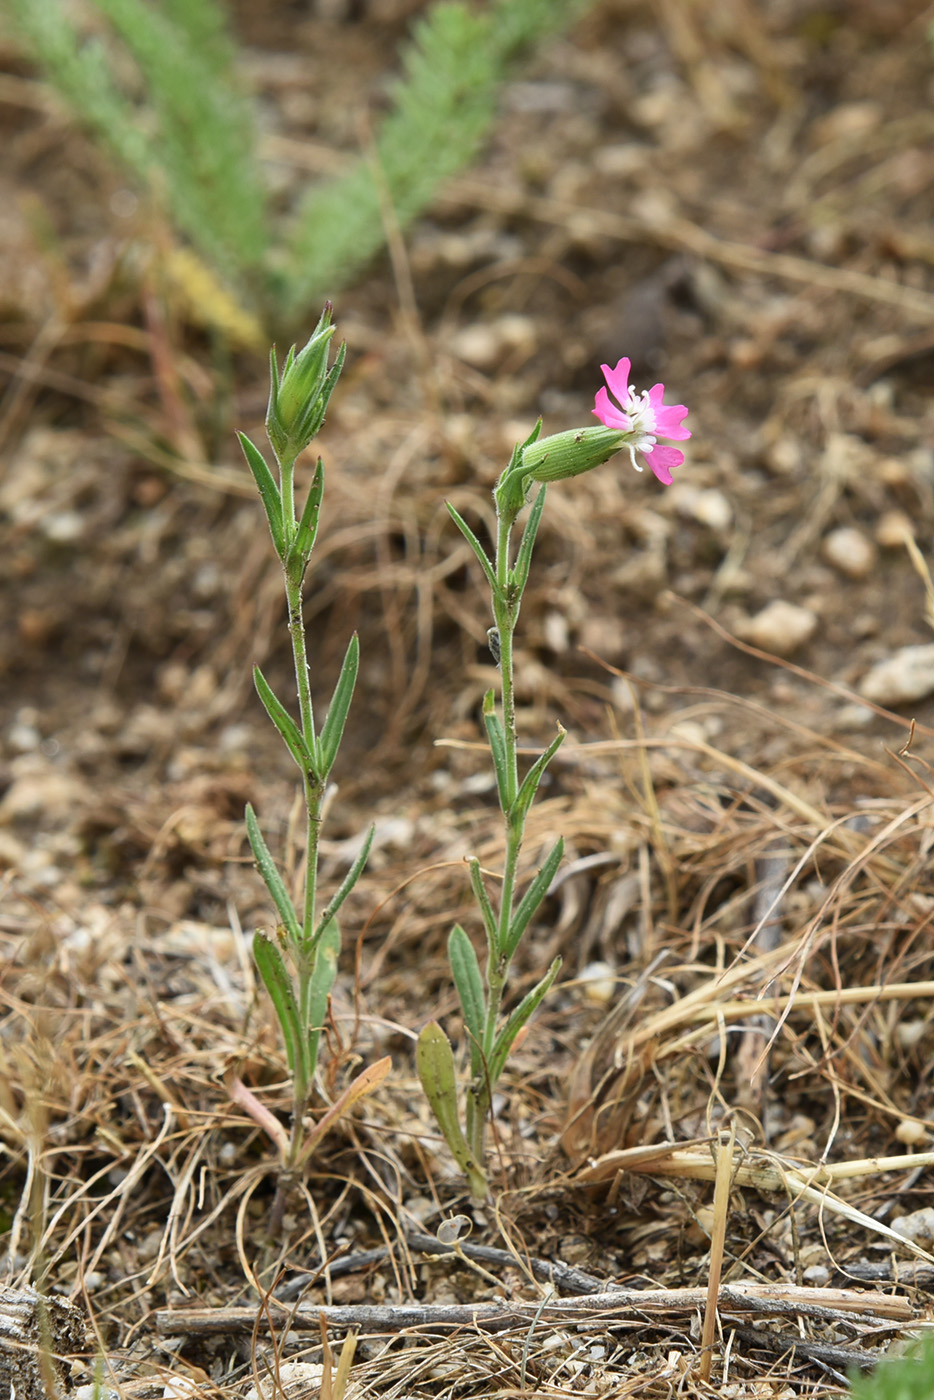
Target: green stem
287, 484
506, 603
313, 788
313, 793
506, 613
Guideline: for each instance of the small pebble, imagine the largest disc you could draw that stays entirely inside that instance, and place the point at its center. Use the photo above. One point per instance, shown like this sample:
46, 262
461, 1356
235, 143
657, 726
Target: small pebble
917, 1226
483, 346
63, 526
906, 676
180, 1388
598, 983
708, 507
893, 528
851, 718
908, 1033
911, 1132
23, 738
850, 552
780, 628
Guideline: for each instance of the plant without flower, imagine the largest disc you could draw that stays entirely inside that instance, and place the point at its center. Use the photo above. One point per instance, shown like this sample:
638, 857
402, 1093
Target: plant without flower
299, 964
635, 423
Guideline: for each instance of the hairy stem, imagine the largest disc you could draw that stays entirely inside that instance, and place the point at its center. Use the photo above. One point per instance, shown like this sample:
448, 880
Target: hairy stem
506, 602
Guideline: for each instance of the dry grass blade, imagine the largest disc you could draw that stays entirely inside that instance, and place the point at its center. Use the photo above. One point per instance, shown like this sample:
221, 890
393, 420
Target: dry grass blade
768, 1174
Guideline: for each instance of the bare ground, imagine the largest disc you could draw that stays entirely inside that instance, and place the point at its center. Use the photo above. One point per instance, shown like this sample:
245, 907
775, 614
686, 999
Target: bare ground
742, 206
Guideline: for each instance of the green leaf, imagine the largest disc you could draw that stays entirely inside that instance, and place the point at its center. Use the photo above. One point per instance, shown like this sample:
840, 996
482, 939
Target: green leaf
434, 1063
278, 984
533, 897
519, 1018
284, 723
333, 728
483, 899
482, 557
347, 884
319, 989
533, 777
497, 738
520, 572
468, 979
268, 490
305, 535
272, 878
510, 491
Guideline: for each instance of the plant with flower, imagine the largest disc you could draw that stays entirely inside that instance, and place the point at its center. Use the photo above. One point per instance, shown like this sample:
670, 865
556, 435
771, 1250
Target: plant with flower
635, 422
298, 965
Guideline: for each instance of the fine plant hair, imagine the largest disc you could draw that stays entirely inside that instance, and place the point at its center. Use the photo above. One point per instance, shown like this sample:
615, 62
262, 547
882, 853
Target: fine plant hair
190, 140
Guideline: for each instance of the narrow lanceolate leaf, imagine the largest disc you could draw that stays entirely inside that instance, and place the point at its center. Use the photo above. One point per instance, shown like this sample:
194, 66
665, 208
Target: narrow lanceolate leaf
366, 1082
528, 905
434, 1062
319, 989
533, 777
278, 984
520, 572
268, 490
307, 531
468, 979
333, 729
509, 493
497, 738
519, 1018
273, 880
346, 885
284, 723
482, 898
482, 557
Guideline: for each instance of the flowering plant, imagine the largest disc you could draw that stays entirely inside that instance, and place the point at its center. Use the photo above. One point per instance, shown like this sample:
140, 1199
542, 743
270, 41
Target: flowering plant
634, 424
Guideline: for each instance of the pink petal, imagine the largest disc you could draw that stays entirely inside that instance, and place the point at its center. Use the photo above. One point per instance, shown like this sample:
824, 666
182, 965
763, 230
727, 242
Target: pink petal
661, 460
610, 416
668, 423
618, 378
667, 416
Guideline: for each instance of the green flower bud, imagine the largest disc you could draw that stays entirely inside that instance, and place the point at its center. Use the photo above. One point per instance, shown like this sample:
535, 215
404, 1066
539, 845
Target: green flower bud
552, 459
569, 454
299, 398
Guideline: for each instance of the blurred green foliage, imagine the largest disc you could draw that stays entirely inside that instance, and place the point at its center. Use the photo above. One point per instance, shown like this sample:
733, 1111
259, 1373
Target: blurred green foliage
908, 1377
157, 82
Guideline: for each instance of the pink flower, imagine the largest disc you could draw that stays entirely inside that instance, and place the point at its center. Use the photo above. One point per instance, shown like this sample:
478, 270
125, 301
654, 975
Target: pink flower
646, 417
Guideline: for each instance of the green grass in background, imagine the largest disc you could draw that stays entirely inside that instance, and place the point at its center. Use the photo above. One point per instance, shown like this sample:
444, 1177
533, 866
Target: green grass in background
179, 122
908, 1377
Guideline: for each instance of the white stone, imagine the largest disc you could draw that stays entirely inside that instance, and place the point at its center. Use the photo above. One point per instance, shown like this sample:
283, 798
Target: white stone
63, 526
780, 627
911, 1132
850, 552
291, 1379
906, 676
598, 983
708, 507
851, 718
918, 1226
485, 345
